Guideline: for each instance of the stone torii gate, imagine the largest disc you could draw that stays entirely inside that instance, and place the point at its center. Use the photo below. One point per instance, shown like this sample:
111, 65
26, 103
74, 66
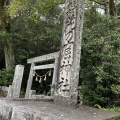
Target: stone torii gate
33, 61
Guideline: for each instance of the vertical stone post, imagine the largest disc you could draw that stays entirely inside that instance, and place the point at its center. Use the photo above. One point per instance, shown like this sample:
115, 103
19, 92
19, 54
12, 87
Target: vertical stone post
32, 92
10, 90
30, 80
70, 53
17, 81
54, 80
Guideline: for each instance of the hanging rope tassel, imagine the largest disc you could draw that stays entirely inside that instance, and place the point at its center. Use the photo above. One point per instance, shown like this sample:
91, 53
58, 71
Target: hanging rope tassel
40, 80
36, 78
45, 78
49, 73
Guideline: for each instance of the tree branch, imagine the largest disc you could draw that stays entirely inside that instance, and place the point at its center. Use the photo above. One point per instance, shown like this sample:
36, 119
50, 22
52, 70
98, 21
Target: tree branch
99, 2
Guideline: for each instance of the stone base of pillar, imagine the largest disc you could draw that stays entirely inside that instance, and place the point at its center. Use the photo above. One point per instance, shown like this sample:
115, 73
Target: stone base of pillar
65, 101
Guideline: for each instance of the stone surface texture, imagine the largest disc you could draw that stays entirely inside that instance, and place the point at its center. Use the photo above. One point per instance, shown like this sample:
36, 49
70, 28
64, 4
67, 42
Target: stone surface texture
30, 80
14, 90
10, 90
70, 52
32, 92
40, 110
33, 61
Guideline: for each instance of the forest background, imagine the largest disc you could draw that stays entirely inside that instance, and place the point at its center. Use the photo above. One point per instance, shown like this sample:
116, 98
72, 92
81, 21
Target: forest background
30, 28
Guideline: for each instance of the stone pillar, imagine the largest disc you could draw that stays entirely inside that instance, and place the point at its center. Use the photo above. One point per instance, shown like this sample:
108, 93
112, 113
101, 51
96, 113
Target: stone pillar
32, 92
70, 53
54, 80
10, 90
30, 80
17, 81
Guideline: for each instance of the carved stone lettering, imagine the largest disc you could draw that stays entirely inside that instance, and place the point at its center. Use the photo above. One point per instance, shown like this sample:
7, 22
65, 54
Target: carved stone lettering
68, 47
70, 12
67, 55
69, 31
70, 53
64, 80
68, 36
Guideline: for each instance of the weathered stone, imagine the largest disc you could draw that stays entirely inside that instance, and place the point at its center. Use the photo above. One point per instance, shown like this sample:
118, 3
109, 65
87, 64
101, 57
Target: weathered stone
41, 67
32, 92
42, 110
10, 90
44, 116
54, 80
43, 58
30, 80
70, 52
33, 61
5, 111
65, 100
4, 88
17, 81
21, 113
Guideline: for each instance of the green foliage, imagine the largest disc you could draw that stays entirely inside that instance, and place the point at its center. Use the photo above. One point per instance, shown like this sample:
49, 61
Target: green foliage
98, 106
6, 77
35, 36
100, 66
36, 28
118, 9
116, 89
32, 39
36, 8
115, 109
117, 118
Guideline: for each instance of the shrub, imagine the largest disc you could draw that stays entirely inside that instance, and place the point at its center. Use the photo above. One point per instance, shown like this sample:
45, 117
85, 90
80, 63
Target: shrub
6, 77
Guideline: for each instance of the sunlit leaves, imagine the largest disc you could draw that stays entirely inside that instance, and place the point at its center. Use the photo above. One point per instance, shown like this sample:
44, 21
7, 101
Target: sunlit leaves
15, 7
36, 8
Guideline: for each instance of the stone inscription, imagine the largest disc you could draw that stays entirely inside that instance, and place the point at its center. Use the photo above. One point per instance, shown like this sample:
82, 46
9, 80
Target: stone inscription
67, 55
68, 48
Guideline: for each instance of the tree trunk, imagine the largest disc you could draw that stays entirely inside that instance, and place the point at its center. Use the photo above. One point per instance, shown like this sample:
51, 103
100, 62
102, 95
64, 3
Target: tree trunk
9, 55
111, 7
106, 6
8, 45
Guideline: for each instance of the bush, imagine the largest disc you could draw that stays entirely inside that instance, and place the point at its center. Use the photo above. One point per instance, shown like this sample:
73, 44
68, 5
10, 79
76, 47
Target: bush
100, 66
6, 77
